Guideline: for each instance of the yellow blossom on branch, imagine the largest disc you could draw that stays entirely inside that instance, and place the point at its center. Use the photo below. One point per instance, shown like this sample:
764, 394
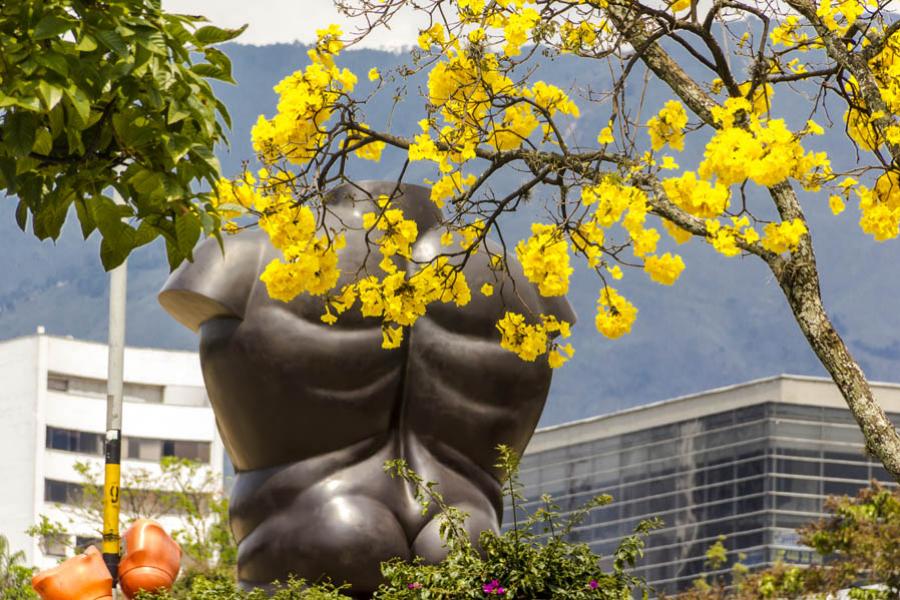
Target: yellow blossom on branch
615, 314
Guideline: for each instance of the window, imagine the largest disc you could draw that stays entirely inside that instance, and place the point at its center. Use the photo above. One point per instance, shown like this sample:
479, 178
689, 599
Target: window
74, 441
153, 449
83, 541
97, 388
55, 544
62, 492
57, 383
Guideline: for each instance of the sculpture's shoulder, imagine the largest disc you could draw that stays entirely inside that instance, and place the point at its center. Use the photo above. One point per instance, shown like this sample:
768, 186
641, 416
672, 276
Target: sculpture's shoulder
219, 280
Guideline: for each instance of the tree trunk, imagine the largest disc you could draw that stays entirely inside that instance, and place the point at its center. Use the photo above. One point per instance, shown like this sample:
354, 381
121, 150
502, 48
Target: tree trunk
799, 281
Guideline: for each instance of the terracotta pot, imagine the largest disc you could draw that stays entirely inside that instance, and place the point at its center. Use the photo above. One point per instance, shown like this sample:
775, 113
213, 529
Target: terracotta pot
151, 561
83, 577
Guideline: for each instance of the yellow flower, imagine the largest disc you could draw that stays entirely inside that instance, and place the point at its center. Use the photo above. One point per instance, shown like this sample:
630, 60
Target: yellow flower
615, 314
374, 74
664, 269
605, 136
784, 236
487, 289
667, 127
545, 259
697, 196
836, 203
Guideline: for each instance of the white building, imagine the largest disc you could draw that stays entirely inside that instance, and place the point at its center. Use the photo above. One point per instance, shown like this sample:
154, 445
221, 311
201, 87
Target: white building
53, 414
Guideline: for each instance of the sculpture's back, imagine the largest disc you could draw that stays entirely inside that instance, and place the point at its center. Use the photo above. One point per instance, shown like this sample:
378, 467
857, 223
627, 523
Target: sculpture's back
309, 412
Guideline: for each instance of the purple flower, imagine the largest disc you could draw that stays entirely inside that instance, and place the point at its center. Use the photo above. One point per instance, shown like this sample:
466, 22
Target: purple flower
593, 584
414, 585
493, 588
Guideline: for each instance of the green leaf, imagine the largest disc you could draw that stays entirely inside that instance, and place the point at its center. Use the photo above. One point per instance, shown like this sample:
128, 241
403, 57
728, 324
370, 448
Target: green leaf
86, 44
50, 94
114, 249
223, 110
80, 102
218, 58
146, 233
51, 26
48, 219
53, 61
187, 232
43, 142
211, 71
113, 41
85, 218
214, 35
22, 215
19, 133
176, 114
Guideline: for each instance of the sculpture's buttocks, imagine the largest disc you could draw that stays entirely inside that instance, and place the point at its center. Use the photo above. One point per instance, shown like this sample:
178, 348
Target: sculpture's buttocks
309, 412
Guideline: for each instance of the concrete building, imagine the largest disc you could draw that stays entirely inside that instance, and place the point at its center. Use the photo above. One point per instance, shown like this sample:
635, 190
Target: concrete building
751, 462
52, 415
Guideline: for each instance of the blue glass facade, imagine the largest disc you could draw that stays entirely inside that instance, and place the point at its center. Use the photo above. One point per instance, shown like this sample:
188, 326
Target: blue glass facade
752, 474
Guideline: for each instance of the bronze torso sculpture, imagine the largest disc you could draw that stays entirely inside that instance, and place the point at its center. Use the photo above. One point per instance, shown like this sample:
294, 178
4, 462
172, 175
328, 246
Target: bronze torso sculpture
309, 412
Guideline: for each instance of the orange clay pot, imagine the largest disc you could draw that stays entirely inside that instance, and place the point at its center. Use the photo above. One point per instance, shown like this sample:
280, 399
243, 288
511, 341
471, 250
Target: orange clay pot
151, 561
82, 577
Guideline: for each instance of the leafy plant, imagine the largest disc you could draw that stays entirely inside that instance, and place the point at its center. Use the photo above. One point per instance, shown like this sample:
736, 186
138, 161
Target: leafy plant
859, 543
530, 560
96, 95
180, 486
15, 578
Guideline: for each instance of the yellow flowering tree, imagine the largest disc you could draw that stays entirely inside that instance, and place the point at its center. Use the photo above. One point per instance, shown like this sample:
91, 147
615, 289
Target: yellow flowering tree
621, 202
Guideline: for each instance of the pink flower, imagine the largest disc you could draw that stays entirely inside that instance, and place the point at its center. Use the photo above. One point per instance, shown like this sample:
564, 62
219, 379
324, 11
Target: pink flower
494, 588
414, 585
593, 584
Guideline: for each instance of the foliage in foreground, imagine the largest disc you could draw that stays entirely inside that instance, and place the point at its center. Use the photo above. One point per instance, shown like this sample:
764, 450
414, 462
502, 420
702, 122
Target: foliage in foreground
190, 489
15, 578
100, 94
532, 560
859, 543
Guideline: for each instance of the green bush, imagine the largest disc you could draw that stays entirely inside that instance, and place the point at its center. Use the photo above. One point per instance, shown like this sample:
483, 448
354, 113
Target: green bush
531, 560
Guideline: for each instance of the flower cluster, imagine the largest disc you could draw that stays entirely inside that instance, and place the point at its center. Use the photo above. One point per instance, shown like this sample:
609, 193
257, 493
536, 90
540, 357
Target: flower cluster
306, 101
665, 269
531, 340
765, 151
667, 127
493, 588
615, 314
545, 259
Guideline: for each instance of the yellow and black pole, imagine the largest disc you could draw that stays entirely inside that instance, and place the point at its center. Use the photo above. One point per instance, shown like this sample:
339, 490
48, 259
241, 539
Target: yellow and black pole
113, 450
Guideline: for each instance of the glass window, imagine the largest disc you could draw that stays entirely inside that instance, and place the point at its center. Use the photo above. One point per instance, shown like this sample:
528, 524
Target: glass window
840, 488
83, 541
54, 545
62, 492
798, 486
74, 441
153, 450
144, 449
57, 383
843, 470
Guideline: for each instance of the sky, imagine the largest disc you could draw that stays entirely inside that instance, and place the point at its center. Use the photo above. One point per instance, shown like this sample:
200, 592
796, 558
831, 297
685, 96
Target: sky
286, 21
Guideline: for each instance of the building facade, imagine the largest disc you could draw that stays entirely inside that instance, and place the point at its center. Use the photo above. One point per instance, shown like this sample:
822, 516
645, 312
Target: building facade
53, 415
750, 462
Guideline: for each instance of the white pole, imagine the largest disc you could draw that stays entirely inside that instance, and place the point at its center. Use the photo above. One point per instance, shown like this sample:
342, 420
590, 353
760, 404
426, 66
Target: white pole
118, 279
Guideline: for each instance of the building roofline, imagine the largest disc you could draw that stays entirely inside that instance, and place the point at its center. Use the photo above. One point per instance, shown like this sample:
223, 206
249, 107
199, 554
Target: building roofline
791, 389
69, 338
717, 390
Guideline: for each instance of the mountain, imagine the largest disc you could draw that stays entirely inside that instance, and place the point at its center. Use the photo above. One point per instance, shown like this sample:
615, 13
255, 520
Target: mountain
724, 322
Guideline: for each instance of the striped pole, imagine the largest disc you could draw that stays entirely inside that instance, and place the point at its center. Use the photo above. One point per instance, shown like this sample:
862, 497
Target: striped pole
113, 450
